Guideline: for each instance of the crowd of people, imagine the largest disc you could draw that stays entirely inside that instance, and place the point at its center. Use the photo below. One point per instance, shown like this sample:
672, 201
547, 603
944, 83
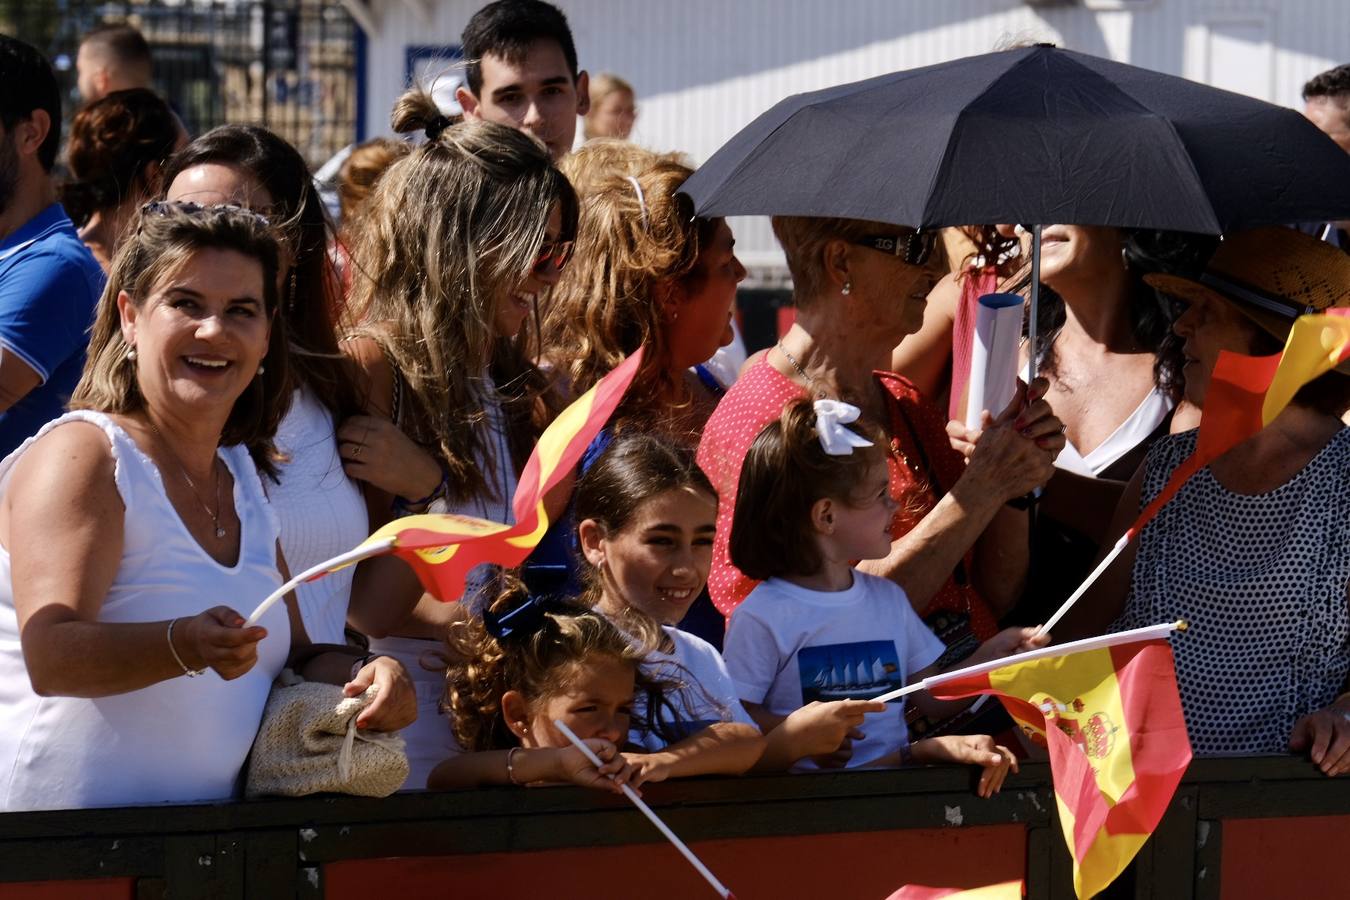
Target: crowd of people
206, 385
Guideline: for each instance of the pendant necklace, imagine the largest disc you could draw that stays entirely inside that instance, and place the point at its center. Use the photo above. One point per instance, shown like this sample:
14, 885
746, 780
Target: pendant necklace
215, 468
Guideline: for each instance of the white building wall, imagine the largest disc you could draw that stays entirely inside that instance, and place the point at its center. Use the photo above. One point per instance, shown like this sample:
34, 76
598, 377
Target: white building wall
704, 68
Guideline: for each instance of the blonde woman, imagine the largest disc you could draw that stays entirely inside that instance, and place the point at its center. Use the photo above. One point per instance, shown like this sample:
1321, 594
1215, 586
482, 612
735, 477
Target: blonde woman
458, 242
613, 109
646, 273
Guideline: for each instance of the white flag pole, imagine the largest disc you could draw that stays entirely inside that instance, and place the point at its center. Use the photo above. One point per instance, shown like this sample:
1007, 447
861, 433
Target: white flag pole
651, 816
345, 559
1094, 643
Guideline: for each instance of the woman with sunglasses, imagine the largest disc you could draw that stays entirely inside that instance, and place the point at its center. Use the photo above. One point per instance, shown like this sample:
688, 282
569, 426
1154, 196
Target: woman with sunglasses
458, 241
858, 288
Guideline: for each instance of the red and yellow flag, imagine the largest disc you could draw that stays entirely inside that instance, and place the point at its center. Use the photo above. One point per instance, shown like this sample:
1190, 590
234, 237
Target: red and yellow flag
1108, 712
1246, 392
442, 549
1008, 890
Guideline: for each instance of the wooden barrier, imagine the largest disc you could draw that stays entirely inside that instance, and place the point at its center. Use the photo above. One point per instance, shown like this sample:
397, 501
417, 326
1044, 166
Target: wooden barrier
1238, 829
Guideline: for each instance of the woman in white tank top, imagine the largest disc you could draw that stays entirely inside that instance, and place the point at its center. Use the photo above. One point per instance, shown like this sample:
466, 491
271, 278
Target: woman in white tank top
128, 525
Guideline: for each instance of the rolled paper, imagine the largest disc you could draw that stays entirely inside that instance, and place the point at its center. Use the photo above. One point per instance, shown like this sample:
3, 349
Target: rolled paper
993, 357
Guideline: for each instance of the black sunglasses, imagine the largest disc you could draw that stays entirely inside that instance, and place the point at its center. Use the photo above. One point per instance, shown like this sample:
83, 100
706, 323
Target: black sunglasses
914, 247
166, 207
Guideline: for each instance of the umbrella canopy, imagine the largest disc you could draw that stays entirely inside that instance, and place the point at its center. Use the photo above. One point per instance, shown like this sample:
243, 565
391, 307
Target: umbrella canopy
1034, 135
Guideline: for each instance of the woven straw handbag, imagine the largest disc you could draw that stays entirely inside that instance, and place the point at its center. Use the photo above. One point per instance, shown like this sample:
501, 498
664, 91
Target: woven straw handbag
308, 743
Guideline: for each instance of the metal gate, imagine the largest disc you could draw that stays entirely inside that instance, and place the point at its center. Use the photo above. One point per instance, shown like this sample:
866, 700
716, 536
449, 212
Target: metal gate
287, 64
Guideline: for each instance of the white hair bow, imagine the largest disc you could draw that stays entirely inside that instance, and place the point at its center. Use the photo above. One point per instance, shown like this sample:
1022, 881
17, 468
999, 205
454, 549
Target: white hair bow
831, 417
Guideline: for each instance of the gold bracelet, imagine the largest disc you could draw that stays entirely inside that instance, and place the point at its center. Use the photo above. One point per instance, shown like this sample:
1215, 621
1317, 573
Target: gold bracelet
510, 767
191, 673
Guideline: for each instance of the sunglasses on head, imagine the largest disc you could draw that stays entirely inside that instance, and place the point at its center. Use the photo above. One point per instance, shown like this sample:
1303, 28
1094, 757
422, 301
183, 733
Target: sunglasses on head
165, 207
553, 255
914, 246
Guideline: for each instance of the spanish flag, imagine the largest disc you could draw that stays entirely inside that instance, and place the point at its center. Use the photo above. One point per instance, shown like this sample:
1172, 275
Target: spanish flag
442, 549
1008, 890
1108, 712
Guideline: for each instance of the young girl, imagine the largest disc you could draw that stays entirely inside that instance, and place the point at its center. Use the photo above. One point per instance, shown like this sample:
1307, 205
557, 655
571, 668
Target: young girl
646, 516
813, 497
530, 661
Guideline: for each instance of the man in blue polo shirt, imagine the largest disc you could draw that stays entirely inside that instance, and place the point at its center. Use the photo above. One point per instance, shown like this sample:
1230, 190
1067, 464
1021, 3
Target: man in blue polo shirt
49, 281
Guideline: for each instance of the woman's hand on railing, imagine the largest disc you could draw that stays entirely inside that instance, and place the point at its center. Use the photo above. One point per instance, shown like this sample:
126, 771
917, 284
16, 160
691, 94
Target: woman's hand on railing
1325, 734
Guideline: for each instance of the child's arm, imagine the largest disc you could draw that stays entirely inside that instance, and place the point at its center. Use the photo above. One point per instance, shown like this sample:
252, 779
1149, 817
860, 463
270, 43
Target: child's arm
1005, 643
723, 748
817, 729
972, 749
522, 765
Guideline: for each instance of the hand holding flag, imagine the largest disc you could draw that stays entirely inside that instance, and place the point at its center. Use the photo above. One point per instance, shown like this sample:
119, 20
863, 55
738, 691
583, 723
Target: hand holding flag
442, 549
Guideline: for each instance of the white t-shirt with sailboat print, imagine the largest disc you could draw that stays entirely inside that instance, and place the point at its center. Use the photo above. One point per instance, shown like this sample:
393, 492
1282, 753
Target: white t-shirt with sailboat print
787, 646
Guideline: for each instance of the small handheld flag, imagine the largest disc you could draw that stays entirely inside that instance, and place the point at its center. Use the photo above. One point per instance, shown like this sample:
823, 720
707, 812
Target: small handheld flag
442, 549
651, 815
1007, 890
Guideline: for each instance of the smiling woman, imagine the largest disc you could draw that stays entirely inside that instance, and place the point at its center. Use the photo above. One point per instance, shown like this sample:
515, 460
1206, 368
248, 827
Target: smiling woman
121, 522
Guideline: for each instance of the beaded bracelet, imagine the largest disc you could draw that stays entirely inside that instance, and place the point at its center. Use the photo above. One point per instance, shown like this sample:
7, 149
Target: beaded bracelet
404, 505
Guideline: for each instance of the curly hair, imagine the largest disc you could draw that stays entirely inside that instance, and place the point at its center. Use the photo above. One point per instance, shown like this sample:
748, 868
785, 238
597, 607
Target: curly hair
634, 243
449, 229
539, 665
1333, 84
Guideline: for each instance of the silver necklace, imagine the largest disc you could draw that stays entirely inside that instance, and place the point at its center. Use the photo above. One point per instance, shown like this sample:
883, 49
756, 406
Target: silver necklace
215, 516
810, 382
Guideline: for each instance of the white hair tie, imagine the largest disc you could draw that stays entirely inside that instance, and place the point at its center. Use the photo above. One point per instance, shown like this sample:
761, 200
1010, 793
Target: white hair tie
831, 417
642, 201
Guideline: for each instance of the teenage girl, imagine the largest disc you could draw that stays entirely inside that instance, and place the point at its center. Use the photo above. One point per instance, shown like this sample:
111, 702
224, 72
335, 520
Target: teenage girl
530, 661
813, 499
646, 516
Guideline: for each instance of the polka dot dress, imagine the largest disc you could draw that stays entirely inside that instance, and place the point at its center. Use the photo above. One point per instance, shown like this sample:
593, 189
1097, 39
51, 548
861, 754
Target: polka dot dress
1262, 581
756, 399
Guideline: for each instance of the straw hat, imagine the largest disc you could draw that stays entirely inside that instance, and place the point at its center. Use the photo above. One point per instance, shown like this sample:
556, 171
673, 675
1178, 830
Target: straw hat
1271, 275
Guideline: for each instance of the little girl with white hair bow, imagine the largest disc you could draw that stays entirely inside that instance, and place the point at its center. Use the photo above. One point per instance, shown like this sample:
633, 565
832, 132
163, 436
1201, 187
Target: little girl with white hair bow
814, 498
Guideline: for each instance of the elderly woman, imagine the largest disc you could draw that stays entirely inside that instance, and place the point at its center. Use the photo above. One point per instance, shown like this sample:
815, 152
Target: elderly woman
1254, 551
859, 287
125, 522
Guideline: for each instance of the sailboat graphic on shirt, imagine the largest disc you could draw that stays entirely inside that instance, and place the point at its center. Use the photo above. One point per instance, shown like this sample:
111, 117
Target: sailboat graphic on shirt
857, 670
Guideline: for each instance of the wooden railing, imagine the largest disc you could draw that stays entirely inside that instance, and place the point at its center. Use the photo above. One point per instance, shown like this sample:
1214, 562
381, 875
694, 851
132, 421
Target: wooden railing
1237, 828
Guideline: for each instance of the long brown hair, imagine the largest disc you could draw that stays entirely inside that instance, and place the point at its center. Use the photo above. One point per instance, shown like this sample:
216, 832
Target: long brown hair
160, 245
448, 230
633, 243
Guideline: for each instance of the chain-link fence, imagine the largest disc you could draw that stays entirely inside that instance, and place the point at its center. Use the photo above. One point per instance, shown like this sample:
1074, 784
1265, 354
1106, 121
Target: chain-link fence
286, 64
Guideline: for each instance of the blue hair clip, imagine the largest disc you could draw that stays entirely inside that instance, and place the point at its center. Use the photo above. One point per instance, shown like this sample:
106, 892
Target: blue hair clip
523, 621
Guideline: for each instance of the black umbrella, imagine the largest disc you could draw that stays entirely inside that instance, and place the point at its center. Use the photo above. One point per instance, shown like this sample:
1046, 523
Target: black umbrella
1036, 135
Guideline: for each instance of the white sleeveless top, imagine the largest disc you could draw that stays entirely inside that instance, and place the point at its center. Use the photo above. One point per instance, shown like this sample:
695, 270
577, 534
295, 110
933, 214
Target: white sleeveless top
321, 514
177, 741
429, 740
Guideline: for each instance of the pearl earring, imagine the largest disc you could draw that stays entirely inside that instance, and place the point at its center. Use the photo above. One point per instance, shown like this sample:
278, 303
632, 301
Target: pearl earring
261, 369
131, 354
847, 288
